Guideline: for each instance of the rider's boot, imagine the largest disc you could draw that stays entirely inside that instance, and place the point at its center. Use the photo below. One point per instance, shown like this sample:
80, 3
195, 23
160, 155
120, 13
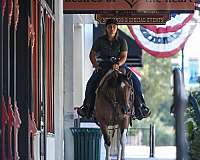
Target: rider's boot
141, 112
146, 112
83, 111
86, 110
141, 109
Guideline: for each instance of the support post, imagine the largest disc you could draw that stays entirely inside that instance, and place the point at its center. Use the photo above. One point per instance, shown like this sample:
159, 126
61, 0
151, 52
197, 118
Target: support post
180, 103
152, 140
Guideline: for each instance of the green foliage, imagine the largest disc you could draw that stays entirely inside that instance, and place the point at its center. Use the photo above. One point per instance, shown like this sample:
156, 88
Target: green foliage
164, 135
195, 146
193, 130
190, 128
156, 75
156, 78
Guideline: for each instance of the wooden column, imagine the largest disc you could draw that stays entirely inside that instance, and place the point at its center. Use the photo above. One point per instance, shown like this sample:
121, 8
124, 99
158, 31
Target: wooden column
23, 81
1, 71
9, 105
4, 116
17, 120
31, 42
1, 51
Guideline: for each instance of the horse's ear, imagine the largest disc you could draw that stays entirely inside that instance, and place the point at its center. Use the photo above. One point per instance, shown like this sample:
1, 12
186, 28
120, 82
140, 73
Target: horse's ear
122, 70
115, 75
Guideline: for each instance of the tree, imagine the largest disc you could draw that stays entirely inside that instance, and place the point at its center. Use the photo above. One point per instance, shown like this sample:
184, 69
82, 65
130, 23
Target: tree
156, 81
156, 75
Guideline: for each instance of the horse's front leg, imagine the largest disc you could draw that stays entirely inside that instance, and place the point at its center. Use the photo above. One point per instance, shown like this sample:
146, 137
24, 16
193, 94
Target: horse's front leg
123, 141
119, 144
107, 152
104, 130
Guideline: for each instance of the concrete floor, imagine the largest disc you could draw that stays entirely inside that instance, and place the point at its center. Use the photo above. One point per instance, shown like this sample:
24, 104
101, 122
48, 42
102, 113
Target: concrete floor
139, 152
142, 153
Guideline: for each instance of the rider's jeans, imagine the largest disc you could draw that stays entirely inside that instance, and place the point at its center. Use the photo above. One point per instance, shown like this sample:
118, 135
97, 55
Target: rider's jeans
137, 86
94, 81
91, 87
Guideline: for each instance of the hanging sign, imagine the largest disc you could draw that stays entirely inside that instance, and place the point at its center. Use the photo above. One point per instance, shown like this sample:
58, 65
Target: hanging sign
139, 18
95, 6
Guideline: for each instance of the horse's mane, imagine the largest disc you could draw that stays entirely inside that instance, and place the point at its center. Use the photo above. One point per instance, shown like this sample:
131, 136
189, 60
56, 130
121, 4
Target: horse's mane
105, 77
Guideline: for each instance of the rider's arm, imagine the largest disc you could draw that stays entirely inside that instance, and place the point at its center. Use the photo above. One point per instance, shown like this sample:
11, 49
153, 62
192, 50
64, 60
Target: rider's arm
121, 61
122, 57
93, 59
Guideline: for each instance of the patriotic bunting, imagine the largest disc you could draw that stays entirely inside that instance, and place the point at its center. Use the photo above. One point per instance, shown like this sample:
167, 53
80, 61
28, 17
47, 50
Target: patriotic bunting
164, 40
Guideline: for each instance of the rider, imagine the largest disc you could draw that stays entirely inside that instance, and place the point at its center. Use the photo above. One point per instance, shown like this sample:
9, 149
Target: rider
103, 50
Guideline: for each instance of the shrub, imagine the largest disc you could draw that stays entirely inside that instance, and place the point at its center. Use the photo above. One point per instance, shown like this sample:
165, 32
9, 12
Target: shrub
193, 128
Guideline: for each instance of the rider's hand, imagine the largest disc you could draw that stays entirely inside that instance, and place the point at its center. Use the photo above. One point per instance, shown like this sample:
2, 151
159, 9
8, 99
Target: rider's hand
116, 66
97, 67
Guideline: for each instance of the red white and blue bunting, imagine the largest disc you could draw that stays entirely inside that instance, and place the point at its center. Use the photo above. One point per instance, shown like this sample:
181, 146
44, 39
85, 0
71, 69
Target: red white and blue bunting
164, 40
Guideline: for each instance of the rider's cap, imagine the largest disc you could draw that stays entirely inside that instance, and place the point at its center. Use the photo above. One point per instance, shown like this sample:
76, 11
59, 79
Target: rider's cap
111, 21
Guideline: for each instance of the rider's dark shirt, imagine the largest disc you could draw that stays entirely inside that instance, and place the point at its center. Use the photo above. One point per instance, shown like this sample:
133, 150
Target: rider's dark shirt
106, 49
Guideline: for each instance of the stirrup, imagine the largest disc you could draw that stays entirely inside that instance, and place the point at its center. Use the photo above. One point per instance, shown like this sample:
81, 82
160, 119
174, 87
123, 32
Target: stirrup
141, 114
85, 111
133, 117
125, 109
146, 112
82, 111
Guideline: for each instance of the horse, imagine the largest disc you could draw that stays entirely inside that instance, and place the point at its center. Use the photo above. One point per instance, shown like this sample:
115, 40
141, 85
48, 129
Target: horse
113, 105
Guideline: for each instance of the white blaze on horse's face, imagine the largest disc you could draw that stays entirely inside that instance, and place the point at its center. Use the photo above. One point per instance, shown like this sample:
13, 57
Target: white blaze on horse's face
123, 84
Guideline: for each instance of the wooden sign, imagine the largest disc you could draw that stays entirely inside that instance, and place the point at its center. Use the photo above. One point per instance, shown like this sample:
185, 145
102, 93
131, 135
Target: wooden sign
140, 18
96, 6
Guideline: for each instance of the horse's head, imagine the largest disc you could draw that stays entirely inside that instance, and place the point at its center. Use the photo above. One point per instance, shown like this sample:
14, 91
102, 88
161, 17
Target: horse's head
117, 89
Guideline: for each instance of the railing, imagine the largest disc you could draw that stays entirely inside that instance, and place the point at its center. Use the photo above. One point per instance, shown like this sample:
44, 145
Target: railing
142, 137
152, 140
138, 137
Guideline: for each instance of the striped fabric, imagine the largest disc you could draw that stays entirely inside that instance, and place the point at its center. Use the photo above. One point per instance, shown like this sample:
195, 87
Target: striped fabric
164, 40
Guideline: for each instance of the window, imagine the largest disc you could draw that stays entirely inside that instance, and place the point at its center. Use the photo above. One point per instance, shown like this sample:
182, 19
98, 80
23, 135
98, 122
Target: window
42, 22
193, 71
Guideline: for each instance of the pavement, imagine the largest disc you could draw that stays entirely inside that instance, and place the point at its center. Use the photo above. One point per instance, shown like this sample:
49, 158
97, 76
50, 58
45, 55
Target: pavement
142, 153
139, 152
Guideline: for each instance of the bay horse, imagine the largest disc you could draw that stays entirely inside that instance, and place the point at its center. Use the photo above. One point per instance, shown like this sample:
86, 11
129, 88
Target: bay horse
113, 104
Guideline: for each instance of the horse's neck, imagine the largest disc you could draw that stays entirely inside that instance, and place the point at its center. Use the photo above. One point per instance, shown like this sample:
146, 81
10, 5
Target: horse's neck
104, 79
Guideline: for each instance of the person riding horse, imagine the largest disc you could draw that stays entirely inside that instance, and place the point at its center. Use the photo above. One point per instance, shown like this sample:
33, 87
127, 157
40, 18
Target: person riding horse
111, 52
